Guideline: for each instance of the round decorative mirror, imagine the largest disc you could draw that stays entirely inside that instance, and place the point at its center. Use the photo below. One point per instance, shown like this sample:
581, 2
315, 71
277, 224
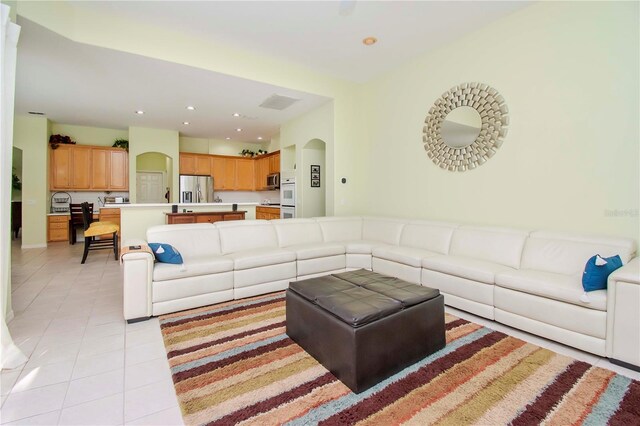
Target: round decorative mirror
465, 127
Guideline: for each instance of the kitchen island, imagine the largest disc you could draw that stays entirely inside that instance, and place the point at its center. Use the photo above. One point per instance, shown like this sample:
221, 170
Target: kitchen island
204, 217
136, 218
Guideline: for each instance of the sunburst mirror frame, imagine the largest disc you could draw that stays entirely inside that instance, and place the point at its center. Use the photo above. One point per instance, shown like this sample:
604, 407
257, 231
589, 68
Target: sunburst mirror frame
494, 115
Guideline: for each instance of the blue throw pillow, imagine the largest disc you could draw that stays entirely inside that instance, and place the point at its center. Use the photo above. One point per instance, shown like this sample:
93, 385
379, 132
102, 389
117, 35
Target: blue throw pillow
166, 253
597, 270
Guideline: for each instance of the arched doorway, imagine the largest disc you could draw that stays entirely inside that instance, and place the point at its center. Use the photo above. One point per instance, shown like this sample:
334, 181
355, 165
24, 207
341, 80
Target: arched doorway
153, 178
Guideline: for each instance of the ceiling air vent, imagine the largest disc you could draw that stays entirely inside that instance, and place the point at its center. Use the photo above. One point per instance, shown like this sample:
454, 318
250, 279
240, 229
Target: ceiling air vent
278, 102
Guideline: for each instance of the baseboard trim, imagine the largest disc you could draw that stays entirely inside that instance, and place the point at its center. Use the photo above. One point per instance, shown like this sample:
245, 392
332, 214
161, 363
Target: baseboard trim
30, 246
625, 364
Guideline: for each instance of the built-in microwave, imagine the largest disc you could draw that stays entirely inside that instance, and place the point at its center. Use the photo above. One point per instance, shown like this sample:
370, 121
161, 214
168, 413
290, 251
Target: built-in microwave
273, 181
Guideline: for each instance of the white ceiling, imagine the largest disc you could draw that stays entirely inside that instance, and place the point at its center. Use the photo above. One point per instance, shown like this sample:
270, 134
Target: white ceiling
324, 35
86, 85
74, 83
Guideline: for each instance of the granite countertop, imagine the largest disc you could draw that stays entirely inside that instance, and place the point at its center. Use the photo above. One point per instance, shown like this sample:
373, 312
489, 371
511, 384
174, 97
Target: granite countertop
184, 205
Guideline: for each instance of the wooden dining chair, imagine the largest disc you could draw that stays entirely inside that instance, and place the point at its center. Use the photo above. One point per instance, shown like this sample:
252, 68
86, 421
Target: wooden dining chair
98, 235
76, 220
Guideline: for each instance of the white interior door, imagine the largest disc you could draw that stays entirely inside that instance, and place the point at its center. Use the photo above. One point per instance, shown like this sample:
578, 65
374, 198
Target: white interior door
150, 187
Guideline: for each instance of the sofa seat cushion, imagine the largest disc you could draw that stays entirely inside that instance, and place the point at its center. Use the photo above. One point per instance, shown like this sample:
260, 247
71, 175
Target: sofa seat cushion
316, 250
406, 255
360, 246
191, 268
464, 267
564, 288
260, 257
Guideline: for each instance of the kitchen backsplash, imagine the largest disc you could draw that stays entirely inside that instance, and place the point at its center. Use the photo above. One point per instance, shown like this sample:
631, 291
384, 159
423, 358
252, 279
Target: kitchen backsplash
248, 196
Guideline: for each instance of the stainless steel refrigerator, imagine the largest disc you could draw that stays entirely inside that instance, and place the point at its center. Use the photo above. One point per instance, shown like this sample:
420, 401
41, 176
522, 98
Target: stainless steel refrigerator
196, 189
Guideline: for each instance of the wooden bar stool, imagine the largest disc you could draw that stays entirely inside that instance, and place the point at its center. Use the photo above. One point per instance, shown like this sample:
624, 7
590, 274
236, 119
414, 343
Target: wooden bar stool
107, 231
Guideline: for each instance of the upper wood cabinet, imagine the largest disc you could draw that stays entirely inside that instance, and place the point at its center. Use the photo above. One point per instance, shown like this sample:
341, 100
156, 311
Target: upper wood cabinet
87, 168
187, 164
274, 163
231, 173
245, 178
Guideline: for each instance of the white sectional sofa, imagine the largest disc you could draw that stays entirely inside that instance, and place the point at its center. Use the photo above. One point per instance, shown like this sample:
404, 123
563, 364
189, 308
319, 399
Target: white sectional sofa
530, 280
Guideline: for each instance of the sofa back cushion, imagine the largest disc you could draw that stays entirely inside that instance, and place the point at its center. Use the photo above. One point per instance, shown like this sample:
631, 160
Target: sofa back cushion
497, 245
565, 253
383, 230
297, 231
340, 228
246, 235
191, 240
432, 236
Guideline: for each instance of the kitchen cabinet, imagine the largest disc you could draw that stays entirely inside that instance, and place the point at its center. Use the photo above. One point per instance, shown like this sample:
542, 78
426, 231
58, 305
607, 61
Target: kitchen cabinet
119, 170
58, 228
267, 212
261, 172
245, 178
187, 164
204, 217
232, 173
274, 163
110, 215
88, 168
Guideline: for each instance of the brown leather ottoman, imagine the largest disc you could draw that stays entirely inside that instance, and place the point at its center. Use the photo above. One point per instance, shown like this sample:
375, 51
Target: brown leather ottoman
363, 326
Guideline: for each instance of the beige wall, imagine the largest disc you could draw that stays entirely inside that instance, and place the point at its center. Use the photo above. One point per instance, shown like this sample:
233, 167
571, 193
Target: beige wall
142, 140
85, 135
31, 135
151, 161
217, 146
569, 74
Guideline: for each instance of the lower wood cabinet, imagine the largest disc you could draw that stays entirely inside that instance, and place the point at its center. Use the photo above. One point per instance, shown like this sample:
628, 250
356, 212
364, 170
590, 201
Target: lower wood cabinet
58, 228
268, 213
204, 217
110, 215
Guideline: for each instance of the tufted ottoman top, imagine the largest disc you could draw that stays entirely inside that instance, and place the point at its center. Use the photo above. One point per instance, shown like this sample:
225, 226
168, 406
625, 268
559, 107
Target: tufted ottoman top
361, 297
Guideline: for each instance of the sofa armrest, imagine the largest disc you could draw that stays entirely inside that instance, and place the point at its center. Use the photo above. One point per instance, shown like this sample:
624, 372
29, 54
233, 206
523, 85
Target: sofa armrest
629, 273
138, 275
623, 315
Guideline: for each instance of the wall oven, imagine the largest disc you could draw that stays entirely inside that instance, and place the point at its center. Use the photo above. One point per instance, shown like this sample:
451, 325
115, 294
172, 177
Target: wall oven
288, 198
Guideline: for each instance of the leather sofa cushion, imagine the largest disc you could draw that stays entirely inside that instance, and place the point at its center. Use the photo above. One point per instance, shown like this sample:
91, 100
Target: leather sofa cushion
405, 255
313, 288
382, 230
316, 250
297, 231
564, 288
464, 267
337, 228
240, 236
191, 268
261, 257
567, 254
358, 306
192, 240
360, 246
431, 236
495, 245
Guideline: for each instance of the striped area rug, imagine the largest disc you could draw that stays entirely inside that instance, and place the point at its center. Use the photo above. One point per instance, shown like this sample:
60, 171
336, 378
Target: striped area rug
232, 363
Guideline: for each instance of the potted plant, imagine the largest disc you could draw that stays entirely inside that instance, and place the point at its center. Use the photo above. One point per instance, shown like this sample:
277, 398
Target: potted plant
247, 153
121, 143
56, 140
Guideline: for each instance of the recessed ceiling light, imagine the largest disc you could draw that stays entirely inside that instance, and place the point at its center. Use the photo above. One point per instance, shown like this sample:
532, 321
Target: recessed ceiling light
259, 138
139, 112
186, 123
191, 108
238, 129
368, 41
236, 114
228, 139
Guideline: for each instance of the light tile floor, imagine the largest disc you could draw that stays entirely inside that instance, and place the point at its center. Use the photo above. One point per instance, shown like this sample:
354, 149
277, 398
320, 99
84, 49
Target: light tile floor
87, 366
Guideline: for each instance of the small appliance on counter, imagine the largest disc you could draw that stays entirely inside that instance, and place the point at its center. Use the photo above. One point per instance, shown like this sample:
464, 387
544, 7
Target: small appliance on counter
196, 189
116, 200
60, 202
288, 198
